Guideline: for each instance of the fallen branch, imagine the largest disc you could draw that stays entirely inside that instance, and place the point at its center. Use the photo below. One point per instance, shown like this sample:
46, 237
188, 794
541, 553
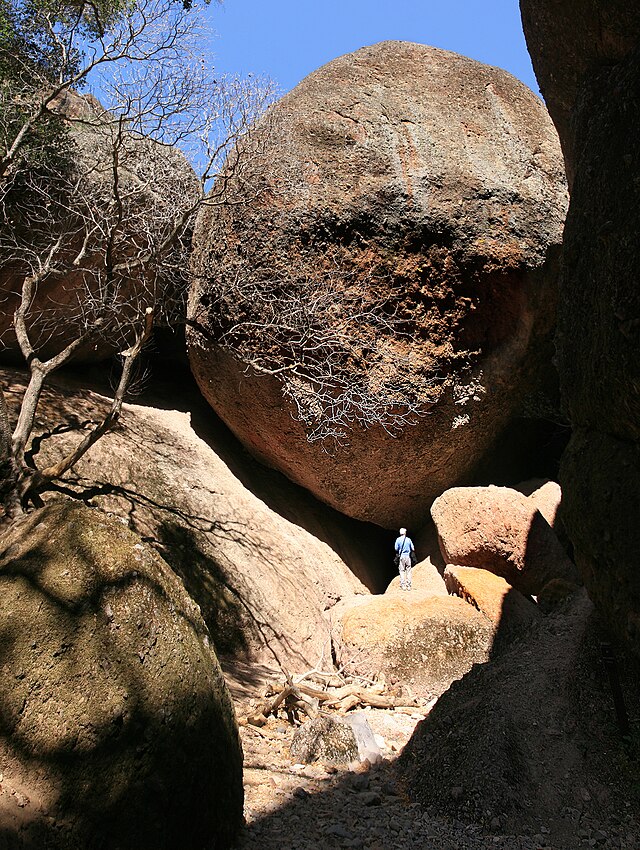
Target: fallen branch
337, 695
365, 696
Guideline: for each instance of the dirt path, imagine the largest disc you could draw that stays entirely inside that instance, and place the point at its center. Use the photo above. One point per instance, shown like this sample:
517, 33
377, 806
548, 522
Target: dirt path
527, 743
290, 806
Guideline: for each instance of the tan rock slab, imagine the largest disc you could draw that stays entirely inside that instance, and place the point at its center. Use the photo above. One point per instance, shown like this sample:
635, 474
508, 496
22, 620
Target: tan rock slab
425, 579
510, 611
500, 530
418, 641
259, 568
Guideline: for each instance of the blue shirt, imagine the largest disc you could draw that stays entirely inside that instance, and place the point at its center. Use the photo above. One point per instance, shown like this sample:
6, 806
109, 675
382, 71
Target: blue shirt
404, 545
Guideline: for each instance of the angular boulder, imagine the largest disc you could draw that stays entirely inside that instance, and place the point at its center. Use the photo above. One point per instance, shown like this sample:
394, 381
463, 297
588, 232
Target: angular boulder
425, 642
394, 266
511, 613
546, 495
500, 530
324, 739
117, 727
520, 722
587, 59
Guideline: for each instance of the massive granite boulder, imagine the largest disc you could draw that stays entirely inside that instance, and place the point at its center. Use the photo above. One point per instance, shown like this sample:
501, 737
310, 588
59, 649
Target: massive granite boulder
375, 311
117, 729
422, 639
155, 181
586, 54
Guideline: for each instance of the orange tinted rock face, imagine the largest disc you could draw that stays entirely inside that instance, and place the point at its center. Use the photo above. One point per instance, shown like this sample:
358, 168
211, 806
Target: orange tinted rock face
424, 641
509, 610
500, 530
429, 186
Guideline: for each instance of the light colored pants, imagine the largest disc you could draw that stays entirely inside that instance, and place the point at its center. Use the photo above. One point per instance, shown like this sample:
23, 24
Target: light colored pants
405, 571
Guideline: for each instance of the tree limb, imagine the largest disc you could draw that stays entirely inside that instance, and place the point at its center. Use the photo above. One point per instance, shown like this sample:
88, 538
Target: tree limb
130, 356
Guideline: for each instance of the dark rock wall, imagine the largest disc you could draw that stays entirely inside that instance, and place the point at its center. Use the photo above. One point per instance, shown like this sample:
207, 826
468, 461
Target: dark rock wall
587, 58
567, 39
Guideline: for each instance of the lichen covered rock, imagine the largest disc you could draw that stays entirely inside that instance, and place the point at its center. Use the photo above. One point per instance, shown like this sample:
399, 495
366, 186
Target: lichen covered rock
511, 612
117, 728
423, 641
324, 739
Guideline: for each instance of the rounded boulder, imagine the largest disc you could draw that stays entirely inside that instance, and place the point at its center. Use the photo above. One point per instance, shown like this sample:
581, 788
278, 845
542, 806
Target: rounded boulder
117, 727
372, 309
500, 530
99, 278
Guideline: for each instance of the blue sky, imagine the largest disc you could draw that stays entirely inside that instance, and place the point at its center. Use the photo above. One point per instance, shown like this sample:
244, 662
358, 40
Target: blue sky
286, 40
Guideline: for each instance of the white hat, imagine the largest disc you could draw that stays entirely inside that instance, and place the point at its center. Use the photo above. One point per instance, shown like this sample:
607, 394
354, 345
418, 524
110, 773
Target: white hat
403, 531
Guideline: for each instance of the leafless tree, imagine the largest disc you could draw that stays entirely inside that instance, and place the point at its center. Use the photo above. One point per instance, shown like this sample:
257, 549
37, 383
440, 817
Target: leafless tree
97, 213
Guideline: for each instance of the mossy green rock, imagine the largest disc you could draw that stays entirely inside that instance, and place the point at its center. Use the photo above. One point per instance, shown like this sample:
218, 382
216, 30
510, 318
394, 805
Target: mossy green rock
116, 727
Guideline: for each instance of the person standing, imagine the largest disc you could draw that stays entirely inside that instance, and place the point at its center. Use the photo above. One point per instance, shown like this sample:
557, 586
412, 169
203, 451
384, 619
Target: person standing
405, 556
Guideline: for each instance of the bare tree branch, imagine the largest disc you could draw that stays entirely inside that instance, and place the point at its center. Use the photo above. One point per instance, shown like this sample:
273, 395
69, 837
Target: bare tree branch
98, 203
129, 358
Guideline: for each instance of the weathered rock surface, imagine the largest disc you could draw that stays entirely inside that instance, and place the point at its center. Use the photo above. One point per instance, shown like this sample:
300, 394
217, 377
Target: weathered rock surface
587, 58
117, 728
578, 802
546, 495
511, 613
264, 561
324, 739
426, 581
499, 529
154, 180
424, 642
570, 44
416, 230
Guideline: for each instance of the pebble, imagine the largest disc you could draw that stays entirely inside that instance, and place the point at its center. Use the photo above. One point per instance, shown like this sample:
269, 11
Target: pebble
360, 782
370, 798
339, 830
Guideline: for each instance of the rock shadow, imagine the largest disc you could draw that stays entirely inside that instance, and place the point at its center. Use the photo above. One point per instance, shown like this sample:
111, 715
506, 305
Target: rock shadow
103, 742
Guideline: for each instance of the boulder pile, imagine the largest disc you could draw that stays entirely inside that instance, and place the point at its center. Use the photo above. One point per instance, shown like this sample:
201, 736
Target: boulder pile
501, 530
